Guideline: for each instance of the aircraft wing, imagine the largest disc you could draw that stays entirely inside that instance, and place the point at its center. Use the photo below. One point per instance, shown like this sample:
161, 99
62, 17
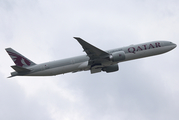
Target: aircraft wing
92, 51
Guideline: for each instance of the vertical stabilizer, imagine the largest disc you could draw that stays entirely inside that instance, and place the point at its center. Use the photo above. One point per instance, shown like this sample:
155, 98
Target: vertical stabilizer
19, 59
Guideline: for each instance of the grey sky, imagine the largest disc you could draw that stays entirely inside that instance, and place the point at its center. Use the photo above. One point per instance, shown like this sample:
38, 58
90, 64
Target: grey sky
43, 30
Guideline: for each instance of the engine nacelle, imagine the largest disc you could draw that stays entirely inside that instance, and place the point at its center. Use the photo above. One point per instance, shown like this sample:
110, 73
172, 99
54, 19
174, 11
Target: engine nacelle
118, 56
111, 68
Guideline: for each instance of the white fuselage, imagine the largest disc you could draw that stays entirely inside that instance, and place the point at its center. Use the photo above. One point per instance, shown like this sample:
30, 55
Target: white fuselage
81, 63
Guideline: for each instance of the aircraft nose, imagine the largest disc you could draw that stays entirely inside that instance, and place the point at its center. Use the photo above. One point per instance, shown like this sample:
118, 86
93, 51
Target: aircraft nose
174, 45
171, 45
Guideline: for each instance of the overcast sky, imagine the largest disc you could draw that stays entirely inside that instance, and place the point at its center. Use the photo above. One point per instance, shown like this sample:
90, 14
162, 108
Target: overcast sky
43, 30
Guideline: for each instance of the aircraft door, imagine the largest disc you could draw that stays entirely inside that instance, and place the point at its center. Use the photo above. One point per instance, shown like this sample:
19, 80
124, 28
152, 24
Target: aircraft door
72, 61
43, 67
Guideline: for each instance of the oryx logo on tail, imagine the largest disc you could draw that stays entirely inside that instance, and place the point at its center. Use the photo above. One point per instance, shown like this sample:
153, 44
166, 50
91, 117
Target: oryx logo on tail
19, 59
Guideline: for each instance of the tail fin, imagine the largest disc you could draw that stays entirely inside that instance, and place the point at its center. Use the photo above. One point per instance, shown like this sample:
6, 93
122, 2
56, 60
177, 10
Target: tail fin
19, 59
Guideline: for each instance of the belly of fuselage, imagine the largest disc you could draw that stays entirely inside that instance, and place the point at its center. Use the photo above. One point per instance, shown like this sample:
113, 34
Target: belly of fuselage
60, 70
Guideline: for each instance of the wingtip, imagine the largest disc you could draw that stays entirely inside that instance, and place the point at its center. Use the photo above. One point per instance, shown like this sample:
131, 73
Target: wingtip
76, 37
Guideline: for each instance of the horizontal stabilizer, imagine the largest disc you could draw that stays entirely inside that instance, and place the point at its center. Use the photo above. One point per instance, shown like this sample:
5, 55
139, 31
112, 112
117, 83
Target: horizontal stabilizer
20, 69
10, 76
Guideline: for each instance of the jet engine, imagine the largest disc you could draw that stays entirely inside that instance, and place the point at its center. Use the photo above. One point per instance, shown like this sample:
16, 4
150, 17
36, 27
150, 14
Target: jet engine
117, 56
111, 68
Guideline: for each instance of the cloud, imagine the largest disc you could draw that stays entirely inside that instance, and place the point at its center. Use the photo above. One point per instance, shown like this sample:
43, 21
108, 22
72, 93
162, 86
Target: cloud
15, 105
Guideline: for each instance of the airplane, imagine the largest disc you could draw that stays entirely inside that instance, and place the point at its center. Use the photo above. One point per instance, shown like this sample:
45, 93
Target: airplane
95, 60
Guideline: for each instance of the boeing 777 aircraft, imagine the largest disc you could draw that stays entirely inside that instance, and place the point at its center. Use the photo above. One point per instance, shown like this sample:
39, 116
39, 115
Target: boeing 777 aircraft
96, 59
